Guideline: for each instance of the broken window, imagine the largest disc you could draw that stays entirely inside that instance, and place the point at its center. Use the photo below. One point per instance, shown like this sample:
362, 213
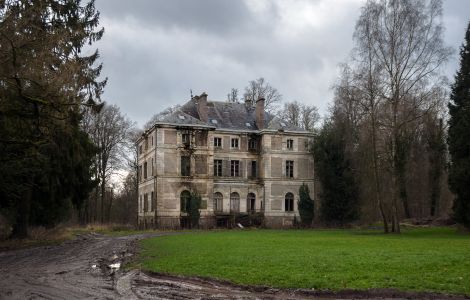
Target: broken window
290, 144
234, 202
185, 197
251, 202
217, 142
217, 167
235, 168
218, 202
235, 143
185, 166
290, 168
289, 202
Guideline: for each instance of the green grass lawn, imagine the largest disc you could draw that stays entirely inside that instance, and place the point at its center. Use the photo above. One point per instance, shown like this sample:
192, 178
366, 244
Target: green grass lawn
436, 259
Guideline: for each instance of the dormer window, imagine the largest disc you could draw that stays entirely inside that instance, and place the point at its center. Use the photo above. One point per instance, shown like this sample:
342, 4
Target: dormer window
252, 144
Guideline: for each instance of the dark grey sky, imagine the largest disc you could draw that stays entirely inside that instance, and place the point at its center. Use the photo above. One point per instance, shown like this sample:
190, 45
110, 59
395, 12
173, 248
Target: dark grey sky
155, 51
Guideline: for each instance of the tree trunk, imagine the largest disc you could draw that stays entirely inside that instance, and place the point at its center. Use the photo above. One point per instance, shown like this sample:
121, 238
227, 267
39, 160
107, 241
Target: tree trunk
103, 191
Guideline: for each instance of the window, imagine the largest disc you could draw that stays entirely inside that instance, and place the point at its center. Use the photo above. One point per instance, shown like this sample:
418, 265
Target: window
185, 166
253, 168
290, 144
217, 142
234, 202
218, 202
290, 168
151, 201
140, 149
140, 173
252, 144
151, 141
185, 197
152, 167
235, 143
145, 170
251, 202
289, 202
146, 199
186, 138
235, 168
217, 167
146, 143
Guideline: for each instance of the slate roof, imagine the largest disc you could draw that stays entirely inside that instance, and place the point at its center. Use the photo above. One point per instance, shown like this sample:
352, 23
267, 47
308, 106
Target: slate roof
227, 115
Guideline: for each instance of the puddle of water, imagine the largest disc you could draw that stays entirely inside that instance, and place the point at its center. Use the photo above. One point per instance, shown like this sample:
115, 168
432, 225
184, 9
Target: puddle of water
115, 266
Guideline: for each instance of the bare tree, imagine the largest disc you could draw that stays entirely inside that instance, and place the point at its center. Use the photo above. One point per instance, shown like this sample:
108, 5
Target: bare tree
233, 95
301, 115
402, 42
261, 88
111, 132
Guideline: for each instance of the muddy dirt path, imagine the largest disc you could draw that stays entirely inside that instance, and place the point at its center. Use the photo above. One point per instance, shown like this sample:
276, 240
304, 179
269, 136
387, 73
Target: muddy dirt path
89, 268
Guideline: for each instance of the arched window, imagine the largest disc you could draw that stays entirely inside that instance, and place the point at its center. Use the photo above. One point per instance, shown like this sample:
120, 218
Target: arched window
184, 201
218, 202
251, 202
234, 202
289, 202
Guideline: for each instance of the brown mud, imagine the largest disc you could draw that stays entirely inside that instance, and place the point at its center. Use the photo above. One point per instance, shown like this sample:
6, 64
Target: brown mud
89, 267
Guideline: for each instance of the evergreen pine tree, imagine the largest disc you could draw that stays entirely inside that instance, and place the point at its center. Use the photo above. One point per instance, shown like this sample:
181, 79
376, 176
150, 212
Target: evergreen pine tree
339, 194
193, 209
305, 205
459, 136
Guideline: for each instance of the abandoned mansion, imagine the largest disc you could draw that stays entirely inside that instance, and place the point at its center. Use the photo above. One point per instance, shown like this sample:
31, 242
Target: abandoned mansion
240, 159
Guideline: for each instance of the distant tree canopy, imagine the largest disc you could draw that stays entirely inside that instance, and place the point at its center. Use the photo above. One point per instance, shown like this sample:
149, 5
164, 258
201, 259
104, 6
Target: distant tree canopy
45, 81
459, 136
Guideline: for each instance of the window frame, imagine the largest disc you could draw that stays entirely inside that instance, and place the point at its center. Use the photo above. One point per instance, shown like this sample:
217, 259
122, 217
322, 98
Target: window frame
185, 197
235, 141
218, 168
217, 142
289, 202
235, 168
254, 169
218, 202
290, 144
235, 202
289, 168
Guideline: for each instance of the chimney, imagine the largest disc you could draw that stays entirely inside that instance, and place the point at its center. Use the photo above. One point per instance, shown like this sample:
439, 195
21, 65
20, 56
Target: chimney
201, 103
259, 113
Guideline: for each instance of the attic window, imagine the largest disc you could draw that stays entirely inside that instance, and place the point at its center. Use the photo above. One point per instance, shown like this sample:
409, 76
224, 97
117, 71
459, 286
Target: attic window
214, 121
283, 124
248, 124
181, 117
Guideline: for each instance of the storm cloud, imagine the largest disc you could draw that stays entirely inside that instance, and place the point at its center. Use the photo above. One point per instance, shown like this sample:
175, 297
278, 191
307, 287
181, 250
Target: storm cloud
155, 52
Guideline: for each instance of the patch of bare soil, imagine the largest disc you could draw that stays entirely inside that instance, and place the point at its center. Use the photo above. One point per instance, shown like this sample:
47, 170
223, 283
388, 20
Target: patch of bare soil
89, 267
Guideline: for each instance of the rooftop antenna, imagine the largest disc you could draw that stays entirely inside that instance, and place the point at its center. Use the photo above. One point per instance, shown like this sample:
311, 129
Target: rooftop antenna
191, 92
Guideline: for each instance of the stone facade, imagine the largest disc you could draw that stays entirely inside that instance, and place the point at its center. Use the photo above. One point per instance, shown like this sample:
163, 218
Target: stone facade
239, 159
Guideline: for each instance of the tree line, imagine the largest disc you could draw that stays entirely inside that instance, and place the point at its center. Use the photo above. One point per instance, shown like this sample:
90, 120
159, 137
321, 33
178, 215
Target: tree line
382, 152
388, 149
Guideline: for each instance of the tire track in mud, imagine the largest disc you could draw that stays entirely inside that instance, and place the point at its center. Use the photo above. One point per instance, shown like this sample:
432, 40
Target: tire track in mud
88, 268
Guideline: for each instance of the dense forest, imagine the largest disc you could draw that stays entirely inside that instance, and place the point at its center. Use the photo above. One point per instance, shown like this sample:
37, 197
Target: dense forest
394, 144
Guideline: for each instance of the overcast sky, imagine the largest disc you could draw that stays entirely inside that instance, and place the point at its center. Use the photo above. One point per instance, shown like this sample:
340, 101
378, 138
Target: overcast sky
155, 51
